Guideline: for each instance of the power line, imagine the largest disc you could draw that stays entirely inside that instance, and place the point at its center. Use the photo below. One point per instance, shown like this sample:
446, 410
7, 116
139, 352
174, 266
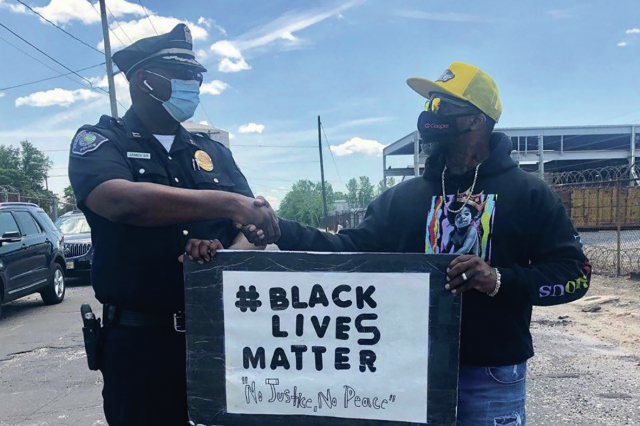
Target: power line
331, 152
148, 17
38, 60
60, 28
2, 89
112, 32
277, 146
55, 60
118, 23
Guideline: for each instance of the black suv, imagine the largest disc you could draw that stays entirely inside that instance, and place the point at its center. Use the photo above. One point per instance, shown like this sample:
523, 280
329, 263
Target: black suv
31, 256
78, 250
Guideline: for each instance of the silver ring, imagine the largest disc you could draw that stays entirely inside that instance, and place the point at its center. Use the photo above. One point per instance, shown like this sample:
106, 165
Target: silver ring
464, 277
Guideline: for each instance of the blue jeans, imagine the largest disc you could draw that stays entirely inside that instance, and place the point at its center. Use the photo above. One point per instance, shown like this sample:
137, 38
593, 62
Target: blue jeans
492, 396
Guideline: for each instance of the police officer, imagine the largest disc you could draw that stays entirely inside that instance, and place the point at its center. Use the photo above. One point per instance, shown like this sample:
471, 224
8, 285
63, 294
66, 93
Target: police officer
147, 186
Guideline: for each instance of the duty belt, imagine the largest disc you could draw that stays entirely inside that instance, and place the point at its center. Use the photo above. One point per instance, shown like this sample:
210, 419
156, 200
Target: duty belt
115, 316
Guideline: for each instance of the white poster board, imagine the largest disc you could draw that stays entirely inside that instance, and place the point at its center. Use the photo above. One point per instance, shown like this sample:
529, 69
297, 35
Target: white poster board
337, 344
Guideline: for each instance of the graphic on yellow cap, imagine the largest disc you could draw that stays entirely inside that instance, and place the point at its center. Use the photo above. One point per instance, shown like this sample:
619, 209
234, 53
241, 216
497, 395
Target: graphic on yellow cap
464, 82
203, 160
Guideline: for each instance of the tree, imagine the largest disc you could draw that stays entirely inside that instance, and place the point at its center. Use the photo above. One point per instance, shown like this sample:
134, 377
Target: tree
24, 168
304, 202
338, 195
365, 192
69, 197
34, 164
352, 193
380, 189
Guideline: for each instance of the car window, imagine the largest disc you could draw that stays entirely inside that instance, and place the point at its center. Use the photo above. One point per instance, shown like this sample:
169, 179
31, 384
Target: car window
27, 224
7, 224
74, 225
46, 220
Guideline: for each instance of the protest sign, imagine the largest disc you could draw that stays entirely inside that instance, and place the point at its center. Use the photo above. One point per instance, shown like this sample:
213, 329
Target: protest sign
321, 339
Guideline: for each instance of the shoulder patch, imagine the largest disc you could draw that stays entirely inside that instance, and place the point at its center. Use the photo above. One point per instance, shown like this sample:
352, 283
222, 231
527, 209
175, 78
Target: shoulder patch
87, 141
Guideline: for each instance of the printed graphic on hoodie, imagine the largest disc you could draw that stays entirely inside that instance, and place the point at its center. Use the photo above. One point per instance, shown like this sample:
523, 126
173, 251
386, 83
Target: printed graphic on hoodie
468, 231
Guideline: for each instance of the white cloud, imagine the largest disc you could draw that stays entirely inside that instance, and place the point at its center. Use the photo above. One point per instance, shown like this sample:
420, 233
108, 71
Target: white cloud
633, 31
121, 83
226, 49
274, 201
142, 28
228, 65
281, 29
2, 94
358, 146
213, 88
57, 96
446, 17
15, 8
340, 16
251, 128
622, 44
231, 136
65, 11
559, 14
201, 54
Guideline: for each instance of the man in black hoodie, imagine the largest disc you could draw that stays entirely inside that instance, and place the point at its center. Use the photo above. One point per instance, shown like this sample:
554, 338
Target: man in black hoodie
517, 246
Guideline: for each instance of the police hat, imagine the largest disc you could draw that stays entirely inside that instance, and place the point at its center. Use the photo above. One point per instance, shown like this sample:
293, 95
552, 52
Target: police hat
172, 49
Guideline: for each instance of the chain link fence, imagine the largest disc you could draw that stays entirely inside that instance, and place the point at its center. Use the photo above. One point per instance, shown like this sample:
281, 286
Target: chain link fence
52, 205
604, 205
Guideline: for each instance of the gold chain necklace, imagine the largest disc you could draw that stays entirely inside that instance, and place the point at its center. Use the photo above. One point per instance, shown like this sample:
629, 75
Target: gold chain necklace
466, 200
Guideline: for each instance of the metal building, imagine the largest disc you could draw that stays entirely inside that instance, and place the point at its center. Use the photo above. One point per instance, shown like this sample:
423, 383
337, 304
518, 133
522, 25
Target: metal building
214, 133
542, 149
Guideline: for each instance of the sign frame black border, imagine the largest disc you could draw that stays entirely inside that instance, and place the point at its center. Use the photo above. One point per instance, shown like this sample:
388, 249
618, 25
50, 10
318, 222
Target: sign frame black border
444, 332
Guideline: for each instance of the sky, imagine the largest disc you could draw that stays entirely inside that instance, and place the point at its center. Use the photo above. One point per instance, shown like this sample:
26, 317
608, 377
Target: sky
274, 66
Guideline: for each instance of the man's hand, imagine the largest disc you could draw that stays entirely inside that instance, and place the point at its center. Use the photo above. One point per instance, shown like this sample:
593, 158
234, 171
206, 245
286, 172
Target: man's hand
478, 274
253, 233
258, 215
201, 250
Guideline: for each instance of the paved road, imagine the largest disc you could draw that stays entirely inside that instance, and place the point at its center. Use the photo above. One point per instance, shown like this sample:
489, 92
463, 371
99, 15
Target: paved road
574, 380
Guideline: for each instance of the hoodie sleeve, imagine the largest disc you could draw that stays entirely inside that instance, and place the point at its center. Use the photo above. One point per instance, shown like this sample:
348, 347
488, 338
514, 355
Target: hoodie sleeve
368, 236
559, 272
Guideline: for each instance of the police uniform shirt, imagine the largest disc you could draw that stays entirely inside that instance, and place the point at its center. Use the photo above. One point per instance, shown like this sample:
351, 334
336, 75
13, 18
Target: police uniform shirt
134, 267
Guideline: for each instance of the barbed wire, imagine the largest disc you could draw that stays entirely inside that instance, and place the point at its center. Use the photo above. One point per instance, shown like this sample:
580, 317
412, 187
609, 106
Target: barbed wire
604, 176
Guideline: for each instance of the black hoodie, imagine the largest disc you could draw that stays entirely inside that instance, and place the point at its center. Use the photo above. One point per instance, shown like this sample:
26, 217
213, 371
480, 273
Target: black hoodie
517, 225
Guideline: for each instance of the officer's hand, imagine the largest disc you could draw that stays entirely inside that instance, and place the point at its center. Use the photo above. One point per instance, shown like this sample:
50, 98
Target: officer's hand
265, 229
201, 250
478, 274
255, 235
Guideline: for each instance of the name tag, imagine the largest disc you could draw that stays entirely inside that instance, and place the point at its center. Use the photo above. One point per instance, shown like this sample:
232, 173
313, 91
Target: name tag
142, 155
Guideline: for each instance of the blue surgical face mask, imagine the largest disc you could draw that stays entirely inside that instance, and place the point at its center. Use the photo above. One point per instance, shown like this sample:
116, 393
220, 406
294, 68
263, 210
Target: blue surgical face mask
184, 99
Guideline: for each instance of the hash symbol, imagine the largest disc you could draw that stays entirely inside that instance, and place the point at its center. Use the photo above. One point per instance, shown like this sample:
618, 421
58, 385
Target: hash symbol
248, 299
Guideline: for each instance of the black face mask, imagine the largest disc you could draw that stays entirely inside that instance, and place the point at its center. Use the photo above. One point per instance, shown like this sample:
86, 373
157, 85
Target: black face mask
437, 130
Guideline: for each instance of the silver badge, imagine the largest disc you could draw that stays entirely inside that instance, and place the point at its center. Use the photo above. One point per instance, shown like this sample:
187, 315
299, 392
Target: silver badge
187, 35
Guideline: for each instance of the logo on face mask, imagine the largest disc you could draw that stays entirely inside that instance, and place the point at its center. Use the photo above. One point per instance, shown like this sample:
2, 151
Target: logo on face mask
438, 126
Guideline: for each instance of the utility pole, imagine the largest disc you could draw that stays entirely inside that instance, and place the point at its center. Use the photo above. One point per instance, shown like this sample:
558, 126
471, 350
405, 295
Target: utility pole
107, 57
324, 191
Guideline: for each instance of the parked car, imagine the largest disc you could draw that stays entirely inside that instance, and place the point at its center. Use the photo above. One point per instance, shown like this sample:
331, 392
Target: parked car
78, 250
31, 254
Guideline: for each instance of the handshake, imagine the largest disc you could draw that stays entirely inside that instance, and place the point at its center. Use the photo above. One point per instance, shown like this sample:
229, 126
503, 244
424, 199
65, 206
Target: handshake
257, 220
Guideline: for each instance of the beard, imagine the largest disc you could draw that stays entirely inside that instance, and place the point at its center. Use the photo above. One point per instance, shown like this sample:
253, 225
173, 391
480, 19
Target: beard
435, 148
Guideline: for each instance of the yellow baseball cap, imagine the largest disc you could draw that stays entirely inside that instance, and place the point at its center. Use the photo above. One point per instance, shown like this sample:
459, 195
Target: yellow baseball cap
464, 82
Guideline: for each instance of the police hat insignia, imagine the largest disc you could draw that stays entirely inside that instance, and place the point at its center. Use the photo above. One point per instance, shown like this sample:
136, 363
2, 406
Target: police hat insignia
86, 141
187, 35
203, 160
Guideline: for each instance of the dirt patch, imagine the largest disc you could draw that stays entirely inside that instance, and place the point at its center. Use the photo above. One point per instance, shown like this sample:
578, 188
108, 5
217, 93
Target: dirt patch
610, 311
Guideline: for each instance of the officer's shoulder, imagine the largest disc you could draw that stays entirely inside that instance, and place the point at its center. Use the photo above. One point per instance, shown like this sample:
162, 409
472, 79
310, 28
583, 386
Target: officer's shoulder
205, 139
90, 137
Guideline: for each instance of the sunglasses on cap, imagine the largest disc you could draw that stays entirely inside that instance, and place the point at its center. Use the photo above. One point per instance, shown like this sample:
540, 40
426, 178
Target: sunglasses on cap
435, 105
